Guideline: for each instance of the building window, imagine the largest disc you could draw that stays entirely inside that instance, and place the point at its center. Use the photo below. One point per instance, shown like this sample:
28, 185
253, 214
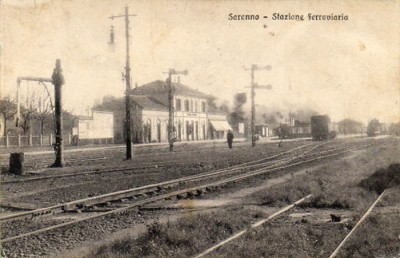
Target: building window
203, 107
186, 105
178, 105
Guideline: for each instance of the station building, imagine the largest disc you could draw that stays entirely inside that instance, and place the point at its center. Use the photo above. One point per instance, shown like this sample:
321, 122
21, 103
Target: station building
192, 119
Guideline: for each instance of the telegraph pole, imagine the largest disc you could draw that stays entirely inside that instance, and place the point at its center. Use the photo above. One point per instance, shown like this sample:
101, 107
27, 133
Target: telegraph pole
58, 81
170, 112
171, 136
127, 78
253, 86
253, 107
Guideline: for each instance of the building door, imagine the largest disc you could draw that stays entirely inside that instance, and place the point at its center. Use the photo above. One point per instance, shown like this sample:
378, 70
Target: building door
192, 125
159, 131
197, 130
149, 134
179, 131
187, 131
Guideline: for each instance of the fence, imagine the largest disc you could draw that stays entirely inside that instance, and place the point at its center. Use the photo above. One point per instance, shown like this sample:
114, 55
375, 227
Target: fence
32, 140
48, 140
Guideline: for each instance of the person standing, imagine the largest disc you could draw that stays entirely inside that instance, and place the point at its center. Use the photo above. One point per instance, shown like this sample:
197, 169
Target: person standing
229, 138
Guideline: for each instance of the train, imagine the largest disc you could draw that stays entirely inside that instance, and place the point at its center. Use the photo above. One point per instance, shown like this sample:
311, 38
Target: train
321, 128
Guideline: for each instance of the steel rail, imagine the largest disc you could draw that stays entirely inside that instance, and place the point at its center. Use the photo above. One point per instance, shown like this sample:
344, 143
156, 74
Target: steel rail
254, 225
190, 191
139, 190
37, 178
134, 191
132, 168
366, 214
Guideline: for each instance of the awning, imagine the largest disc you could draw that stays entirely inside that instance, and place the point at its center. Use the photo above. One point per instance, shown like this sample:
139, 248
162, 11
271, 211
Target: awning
219, 125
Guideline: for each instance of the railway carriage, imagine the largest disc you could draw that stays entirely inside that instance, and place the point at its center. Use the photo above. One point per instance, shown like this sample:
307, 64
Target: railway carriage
321, 128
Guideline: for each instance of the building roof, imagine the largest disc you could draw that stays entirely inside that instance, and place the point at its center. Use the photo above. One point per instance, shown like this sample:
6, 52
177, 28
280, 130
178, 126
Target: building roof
85, 118
158, 86
148, 104
220, 125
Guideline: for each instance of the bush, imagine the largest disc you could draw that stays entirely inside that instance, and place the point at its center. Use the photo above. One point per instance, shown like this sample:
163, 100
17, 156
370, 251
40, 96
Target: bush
382, 178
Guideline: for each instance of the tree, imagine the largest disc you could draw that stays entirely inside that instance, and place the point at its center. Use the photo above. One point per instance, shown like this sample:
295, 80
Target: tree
70, 121
373, 127
394, 128
8, 109
211, 103
43, 113
270, 119
28, 113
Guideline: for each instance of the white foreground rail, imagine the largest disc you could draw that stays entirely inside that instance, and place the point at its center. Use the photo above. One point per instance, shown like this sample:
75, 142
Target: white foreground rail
255, 225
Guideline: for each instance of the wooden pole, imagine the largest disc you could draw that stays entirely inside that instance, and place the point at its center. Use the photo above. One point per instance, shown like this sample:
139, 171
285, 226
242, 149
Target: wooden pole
58, 81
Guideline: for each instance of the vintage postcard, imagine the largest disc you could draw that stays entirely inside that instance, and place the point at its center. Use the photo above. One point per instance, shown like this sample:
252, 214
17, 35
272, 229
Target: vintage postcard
227, 128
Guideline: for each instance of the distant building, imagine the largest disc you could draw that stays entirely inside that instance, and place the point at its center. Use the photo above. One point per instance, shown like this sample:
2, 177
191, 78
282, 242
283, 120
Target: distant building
383, 129
98, 126
349, 126
263, 130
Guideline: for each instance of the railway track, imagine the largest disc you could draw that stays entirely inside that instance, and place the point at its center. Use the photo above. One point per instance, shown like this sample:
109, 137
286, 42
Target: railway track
283, 211
74, 157
137, 197
253, 226
261, 163
366, 214
233, 169
153, 166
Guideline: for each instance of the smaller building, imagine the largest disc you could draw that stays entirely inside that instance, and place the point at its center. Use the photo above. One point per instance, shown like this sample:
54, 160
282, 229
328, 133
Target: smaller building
98, 126
218, 126
263, 130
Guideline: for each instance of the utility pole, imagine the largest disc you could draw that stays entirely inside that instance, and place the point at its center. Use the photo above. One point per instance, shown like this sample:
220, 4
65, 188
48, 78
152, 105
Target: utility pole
127, 78
171, 136
170, 112
253, 107
58, 81
253, 86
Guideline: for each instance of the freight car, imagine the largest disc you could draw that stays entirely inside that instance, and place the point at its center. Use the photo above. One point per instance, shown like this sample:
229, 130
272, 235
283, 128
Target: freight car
321, 128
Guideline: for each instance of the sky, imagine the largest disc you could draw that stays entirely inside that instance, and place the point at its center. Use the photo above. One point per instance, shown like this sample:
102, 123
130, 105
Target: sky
346, 69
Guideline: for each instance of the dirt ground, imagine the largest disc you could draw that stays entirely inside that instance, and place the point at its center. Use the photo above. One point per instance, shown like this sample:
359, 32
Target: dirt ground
305, 231
183, 228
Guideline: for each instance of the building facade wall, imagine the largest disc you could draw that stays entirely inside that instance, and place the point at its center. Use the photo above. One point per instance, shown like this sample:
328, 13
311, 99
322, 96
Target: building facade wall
99, 126
190, 118
190, 121
216, 134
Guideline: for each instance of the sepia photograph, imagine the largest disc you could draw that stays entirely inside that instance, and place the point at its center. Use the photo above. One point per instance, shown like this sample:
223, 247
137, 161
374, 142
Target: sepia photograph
199, 128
